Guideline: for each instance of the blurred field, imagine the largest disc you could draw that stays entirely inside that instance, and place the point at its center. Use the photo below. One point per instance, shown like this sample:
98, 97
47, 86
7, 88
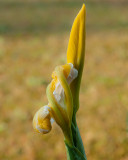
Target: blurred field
33, 40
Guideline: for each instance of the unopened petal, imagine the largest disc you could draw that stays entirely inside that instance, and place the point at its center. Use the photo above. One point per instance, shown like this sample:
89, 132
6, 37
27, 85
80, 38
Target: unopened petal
76, 46
70, 74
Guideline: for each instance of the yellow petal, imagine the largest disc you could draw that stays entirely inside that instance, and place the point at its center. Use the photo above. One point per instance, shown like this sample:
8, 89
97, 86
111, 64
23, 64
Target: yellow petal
76, 52
76, 46
42, 120
66, 69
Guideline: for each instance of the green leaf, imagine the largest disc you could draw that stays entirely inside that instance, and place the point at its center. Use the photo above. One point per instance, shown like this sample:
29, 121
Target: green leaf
73, 153
77, 139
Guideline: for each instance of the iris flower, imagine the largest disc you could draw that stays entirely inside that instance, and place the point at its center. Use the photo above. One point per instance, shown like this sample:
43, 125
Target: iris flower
63, 93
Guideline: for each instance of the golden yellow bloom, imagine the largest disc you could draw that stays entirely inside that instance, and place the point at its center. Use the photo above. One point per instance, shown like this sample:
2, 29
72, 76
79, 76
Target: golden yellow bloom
63, 91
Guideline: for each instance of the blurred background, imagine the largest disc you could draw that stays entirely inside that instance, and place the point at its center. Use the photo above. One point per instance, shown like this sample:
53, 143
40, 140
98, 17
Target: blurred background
33, 40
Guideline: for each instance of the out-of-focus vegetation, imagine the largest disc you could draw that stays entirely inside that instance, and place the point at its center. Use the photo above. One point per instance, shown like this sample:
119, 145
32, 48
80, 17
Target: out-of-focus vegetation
39, 17
33, 40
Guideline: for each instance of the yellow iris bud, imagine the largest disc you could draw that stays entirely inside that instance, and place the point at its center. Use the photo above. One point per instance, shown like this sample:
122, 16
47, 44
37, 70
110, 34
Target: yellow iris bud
63, 91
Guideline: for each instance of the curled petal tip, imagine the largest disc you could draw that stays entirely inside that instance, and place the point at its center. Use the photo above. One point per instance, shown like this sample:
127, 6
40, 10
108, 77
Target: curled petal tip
42, 120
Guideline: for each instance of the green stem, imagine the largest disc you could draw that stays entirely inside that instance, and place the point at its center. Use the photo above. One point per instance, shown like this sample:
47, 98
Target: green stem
76, 137
68, 137
73, 153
